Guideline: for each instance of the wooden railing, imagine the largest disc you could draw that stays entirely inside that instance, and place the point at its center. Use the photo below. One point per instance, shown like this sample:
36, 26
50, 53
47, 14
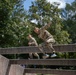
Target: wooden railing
13, 66
23, 50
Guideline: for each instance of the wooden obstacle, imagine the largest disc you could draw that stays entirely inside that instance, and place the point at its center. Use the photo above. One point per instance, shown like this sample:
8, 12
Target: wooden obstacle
16, 70
13, 66
23, 50
7, 69
57, 62
4, 65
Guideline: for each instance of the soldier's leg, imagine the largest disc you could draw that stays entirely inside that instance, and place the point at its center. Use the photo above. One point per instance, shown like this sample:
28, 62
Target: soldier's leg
30, 55
50, 46
44, 53
35, 54
53, 50
50, 40
41, 48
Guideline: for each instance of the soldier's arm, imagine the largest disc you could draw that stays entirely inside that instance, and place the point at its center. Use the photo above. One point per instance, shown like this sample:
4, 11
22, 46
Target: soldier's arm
46, 26
33, 41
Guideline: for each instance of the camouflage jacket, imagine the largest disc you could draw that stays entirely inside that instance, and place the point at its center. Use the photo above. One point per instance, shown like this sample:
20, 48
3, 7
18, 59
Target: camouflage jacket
44, 34
33, 41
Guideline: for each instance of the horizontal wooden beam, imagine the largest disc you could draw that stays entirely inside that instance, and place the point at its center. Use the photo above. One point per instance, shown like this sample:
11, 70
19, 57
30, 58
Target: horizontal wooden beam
33, 49
66, 62
51, 71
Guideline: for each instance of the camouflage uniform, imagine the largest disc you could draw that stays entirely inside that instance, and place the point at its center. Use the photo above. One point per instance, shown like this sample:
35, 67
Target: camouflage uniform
33, 43
46, 37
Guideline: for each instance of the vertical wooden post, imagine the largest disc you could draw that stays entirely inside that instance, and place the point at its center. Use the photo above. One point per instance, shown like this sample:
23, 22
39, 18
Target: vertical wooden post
16, 70
4, 64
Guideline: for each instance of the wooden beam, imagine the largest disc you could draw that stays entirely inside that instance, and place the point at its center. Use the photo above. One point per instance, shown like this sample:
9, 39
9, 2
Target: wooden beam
51, 71
67, 62
26, 49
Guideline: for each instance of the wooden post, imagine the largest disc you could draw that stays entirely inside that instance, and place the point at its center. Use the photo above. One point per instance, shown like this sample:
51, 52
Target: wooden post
4, 64
16, 70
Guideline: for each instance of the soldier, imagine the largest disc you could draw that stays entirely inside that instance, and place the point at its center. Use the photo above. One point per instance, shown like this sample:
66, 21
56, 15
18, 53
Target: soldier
32, 42
46, 37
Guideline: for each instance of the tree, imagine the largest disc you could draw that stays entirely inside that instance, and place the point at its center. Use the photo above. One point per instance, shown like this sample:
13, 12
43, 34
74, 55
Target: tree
70, 20
69, 16
43, 12
12, 23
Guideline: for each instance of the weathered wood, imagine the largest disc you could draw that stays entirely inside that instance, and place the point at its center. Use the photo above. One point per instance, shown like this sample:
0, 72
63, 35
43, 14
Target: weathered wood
16, 70
4, 65
51, 71
30, 74
67, 62
12, 66
26, 49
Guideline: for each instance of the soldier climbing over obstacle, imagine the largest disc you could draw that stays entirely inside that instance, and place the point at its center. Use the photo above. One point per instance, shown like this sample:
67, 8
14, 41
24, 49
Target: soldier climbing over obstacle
32, 42
47, 38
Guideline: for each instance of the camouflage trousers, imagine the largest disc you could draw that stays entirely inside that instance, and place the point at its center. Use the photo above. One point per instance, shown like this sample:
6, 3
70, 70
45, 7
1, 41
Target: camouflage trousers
35, 54
49, 44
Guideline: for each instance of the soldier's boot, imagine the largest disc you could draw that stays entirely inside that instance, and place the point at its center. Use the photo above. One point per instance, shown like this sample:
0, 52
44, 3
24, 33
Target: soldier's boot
53, 54
45, 56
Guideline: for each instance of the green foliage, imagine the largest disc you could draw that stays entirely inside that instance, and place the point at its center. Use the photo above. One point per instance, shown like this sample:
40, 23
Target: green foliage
12, 16
69, 15
70, 20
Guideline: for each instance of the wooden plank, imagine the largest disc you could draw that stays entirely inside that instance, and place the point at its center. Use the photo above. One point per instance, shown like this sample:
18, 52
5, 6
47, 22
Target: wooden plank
26, 49
30, 74
67, 62
51, 71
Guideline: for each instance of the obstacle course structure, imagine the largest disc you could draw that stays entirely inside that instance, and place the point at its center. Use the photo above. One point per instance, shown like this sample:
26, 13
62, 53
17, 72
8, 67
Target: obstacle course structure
13, 66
